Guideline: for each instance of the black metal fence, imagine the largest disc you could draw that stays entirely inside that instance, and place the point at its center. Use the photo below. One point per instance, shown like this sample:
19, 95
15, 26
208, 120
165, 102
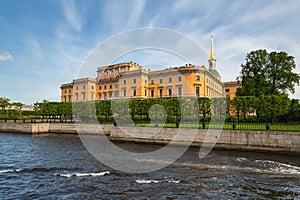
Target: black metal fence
200, 125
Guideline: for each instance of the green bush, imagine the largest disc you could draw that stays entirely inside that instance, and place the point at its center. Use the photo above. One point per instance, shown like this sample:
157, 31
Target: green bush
231, 119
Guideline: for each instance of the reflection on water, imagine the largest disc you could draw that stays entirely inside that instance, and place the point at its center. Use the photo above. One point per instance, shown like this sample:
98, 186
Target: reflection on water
59, 167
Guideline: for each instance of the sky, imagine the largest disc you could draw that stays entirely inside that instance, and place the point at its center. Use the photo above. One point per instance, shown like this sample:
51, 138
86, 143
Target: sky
44, 43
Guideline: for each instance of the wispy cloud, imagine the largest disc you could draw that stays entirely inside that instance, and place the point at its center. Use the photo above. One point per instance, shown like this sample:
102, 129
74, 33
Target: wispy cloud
74, 18
6, 57
123, 15
49, 47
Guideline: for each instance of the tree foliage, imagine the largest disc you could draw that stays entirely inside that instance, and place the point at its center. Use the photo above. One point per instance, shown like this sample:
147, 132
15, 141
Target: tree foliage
204, 107
269, 108
268, 74
4, 102
48, 109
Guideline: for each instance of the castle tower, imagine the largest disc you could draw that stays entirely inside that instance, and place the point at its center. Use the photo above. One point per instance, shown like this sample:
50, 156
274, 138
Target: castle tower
212, 60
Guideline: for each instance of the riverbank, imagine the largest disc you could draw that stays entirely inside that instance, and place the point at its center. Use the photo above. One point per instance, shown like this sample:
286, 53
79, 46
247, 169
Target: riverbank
273, 141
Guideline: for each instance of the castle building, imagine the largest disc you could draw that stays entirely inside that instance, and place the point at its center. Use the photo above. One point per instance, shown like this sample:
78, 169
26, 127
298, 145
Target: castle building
231, 89
130, 81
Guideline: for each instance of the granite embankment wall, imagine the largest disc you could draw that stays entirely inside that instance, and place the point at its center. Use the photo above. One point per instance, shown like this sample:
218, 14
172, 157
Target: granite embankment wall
276, 141
24, 128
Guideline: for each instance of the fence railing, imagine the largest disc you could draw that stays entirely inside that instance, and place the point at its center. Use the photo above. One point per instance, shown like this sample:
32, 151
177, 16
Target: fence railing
200, 125
52, 120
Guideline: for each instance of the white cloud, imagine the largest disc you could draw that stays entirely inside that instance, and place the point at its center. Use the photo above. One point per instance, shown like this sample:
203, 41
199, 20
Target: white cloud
242, 27
5, 57
74, 18
123, 15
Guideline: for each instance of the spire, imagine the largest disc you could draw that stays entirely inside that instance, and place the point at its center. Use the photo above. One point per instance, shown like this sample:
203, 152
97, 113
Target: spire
212, 55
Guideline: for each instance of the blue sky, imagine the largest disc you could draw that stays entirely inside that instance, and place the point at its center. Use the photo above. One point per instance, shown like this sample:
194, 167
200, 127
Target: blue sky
44, 43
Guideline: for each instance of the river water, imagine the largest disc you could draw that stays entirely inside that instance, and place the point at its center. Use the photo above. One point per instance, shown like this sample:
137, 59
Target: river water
59, 167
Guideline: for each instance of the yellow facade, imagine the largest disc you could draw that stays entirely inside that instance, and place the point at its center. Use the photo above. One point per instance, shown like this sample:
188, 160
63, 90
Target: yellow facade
130, 80
79, 90
231, 88
123, 81
67, 92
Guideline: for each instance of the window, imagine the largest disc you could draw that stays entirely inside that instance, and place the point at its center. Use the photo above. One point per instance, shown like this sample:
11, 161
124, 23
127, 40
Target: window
152, 93
110, 95
146, 81
104, 94
134, 80
65, 98
179, 91
152, 81
92, 96
227, 90
110, 86
83, 95
170, 92
99, 95
104, 87
76, 87
160, 81
65, 91
134, 92
69, 98
116, 86
198, 91
116, 93
69, 91
145, 92
83, 87
179, 78
197, 78
124, 82
99, 87
170, 80
160, 92
76, 96
92, 87
124, 92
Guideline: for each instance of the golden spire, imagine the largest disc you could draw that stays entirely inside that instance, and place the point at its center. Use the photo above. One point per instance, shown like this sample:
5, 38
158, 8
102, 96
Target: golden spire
212, 55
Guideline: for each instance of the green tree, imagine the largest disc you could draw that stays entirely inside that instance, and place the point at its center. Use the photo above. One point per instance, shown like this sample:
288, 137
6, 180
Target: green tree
272, 106
236, 107
280, 75
4, 102
171, 105
247, 104
85, 110
103, 108
18, 106
133, 107
142, 108
188, 111
294, 111
218, 109
64, 109
43, 109
204, 107
48, 109
268, 74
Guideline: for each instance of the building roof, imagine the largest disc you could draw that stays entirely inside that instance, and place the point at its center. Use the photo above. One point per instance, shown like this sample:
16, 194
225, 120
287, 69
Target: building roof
214, 72
232, 83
